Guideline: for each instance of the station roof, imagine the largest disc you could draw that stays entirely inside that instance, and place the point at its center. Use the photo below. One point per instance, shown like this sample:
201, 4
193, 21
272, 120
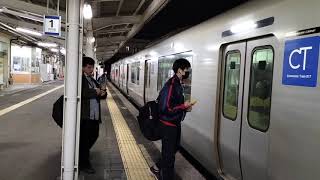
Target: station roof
120, 27
114, 22
177, 16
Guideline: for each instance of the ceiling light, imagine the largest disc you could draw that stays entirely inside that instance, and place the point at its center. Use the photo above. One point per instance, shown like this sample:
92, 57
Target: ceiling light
245, 26
28, 31
95, 49
43, 44
92, 40
63, 51
87, 11
54, 50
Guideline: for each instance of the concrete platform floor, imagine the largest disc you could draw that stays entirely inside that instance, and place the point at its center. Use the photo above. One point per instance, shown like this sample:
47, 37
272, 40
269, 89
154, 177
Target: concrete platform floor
30, 141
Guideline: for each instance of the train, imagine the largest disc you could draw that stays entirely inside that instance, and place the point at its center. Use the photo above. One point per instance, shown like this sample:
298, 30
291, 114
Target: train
254, 76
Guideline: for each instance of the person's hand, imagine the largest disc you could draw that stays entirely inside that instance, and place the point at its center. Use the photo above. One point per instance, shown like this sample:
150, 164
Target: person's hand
187, 104
103, 93
98, 91
189, 109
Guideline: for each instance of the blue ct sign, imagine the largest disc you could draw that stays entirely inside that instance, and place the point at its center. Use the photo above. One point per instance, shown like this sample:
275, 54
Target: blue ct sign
300, 64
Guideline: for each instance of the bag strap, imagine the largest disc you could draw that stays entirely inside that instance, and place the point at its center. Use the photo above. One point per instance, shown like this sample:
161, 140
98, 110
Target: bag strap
171, 84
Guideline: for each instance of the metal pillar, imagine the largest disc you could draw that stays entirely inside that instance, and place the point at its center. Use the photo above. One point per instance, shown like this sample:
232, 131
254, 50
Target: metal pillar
71, 111
89, 47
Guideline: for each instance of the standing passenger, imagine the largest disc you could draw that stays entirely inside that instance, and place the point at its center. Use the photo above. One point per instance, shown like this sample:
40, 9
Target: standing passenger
90, 114
173, 109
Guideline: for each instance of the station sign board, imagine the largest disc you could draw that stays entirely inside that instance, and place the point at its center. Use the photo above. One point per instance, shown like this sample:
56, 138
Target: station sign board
52, 25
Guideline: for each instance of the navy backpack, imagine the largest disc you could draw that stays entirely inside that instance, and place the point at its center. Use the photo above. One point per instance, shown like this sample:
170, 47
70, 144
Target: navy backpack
148, 119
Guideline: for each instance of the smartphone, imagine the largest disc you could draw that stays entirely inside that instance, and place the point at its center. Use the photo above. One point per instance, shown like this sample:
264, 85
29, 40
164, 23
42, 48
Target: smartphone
193, 102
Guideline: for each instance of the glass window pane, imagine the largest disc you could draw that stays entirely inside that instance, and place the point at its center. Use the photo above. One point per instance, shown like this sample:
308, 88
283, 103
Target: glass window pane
231, 85
3, 59
21, 58
165, 72
260, 88
133, 73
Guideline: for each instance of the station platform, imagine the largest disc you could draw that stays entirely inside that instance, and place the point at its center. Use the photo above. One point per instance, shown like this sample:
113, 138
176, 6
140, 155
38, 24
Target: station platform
30, 141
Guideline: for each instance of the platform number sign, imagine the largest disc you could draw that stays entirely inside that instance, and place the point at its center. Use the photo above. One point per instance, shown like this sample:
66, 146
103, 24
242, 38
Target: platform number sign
300, 64
52, 25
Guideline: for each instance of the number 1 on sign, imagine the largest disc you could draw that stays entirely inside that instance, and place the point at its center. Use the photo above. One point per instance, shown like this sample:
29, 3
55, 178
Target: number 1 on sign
51, 23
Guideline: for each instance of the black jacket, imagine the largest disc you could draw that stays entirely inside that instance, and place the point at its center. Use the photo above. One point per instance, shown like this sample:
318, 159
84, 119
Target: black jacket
171, 101
86, 95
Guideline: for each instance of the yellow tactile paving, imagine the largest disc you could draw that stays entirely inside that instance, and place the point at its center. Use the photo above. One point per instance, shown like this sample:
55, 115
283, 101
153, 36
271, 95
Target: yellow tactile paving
134, 163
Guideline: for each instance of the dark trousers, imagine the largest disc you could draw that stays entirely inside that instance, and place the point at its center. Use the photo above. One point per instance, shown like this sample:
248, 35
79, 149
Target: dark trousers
89, 132
170, 145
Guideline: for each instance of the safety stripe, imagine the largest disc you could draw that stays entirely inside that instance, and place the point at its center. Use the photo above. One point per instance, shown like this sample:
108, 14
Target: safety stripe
13, 107
135, 165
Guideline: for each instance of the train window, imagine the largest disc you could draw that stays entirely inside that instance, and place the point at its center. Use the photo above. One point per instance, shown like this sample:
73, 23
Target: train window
260, 88
165, 72
133, 73
231, 85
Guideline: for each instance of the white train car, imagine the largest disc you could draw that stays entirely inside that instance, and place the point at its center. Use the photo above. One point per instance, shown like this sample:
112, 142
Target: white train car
255, 77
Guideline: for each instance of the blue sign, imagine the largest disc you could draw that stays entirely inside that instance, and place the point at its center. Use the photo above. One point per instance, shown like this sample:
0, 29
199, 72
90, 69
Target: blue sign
300, 64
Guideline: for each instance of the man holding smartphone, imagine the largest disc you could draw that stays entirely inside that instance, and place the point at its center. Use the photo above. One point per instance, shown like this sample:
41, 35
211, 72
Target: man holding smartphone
172, 110
90, 114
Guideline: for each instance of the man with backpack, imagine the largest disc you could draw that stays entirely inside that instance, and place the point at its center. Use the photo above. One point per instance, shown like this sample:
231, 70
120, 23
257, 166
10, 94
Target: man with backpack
172, 110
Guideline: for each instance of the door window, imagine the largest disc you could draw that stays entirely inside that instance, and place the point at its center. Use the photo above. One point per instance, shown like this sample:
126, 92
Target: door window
260, 88
231, 85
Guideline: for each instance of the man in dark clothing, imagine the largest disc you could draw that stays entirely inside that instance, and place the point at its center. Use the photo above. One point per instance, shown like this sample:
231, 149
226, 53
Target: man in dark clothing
173, 109
103, 78
90, 114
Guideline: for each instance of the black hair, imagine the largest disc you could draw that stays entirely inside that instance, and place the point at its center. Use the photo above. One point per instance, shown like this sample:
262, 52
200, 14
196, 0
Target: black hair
180, 63
87, 61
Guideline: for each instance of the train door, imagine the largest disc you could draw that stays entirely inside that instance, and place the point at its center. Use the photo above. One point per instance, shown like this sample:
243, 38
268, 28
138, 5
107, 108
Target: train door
257, 108
122, 75
127, 82
119, 75
146, 91
245, 109
230, 109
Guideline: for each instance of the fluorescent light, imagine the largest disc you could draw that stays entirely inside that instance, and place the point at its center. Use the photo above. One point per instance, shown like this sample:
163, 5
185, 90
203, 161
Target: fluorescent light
54, 50
92, 40
63, 51
95, 49
245, 26
28, 31
43, 44
289, 34
87, 11
153, 53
